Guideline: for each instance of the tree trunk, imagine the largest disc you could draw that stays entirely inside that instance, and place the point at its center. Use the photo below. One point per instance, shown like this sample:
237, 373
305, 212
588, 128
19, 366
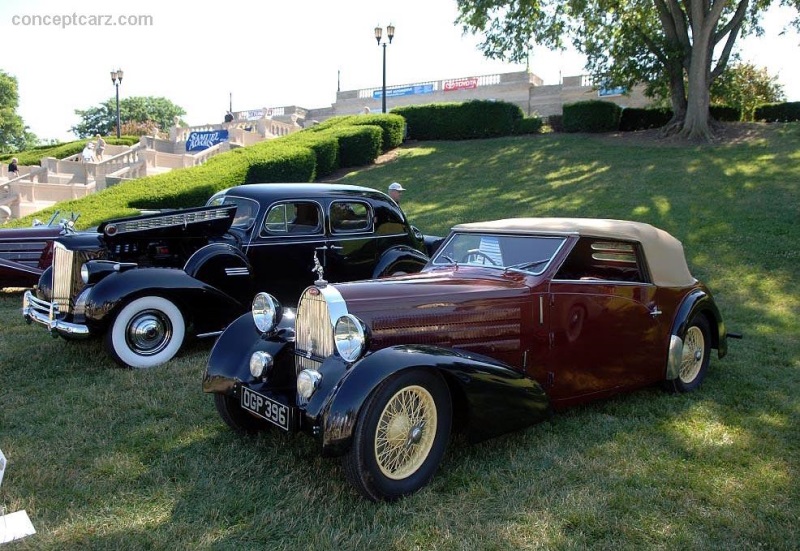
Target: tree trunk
696, 122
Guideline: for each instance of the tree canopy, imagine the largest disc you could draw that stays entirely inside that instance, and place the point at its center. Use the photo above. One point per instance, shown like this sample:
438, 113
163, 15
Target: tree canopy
134, 112
685, 44
14, 135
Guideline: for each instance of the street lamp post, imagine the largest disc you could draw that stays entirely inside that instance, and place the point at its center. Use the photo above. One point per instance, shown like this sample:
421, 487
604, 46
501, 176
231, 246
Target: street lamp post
378, 35
116, 80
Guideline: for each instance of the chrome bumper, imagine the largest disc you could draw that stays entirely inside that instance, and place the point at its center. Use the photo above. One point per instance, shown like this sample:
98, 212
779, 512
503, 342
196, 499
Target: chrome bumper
46, 313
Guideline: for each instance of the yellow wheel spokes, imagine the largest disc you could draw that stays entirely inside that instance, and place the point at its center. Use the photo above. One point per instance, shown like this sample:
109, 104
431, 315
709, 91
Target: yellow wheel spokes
693, 350
405, 433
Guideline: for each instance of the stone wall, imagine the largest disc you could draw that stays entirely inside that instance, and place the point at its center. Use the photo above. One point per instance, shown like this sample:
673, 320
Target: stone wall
522, 88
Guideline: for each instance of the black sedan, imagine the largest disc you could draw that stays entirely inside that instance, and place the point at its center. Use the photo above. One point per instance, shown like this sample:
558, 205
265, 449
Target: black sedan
146, 282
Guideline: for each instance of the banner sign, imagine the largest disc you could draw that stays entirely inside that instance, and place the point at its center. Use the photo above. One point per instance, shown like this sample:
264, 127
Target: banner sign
618, 91
460, 84
199, 141
404, 91
254, 114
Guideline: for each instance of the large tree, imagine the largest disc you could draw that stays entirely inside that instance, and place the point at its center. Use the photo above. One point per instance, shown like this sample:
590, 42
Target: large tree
14, 135
148, 110
686, 43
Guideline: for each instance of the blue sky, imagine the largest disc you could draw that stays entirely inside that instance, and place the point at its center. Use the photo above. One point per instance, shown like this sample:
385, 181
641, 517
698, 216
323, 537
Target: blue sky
263, 54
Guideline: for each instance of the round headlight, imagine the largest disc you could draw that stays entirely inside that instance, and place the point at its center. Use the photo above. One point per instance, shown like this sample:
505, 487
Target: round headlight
85, 274
260, 362
307, 382
266, 312
349, 337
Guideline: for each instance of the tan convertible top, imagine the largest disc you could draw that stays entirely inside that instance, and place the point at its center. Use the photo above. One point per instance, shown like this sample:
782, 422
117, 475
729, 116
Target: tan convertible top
663, 252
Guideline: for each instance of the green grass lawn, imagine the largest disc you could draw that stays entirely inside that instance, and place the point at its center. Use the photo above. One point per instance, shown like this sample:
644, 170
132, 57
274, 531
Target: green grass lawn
106, 458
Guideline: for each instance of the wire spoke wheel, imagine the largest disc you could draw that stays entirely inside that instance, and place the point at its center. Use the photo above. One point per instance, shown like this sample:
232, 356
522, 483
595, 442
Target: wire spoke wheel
694, 347
405, 432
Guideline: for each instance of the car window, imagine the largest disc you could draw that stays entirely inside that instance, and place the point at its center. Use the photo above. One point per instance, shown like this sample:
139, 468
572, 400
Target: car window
246, 209
295, 217
350, 216
529, 254
601, 259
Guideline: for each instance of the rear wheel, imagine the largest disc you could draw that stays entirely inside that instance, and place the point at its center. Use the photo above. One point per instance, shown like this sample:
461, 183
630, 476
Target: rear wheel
400, 437
696, 355
235, 417
147, 332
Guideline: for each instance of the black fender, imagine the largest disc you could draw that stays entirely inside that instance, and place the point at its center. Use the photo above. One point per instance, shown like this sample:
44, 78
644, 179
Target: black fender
399, 259
432, 243
224, 267
489, 397
700, 301
206, 308
229, 361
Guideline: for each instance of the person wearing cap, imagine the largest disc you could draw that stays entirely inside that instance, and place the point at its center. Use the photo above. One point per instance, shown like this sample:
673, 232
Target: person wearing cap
396, 191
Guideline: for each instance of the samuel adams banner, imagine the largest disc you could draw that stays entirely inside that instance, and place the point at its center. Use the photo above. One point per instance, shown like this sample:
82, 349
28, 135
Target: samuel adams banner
199, 141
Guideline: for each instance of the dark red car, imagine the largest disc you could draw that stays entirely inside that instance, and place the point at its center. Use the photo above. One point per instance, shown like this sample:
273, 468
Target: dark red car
509, 320
27, 252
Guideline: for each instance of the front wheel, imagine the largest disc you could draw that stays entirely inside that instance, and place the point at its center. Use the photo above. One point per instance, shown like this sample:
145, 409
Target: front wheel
400, 437
147, 332
696, 355
235, 417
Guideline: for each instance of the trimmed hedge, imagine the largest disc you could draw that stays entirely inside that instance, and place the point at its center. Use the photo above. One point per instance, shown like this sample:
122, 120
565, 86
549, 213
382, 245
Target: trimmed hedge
358, 145
634, 118
460, 121
591, 116
778, 112
393, 127
528, 125
323, 144
725, 113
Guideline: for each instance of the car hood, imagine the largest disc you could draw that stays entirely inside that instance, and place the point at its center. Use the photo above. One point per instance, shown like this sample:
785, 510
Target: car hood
177, 224
475, 308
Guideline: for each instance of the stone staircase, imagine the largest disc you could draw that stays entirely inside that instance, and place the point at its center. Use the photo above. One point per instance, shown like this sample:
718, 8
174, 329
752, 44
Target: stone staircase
38, 187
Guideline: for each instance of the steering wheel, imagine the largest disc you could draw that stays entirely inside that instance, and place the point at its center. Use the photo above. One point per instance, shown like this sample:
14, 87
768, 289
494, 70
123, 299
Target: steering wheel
479, 254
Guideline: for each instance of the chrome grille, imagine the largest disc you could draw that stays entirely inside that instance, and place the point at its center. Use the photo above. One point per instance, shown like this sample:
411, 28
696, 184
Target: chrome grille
313, 331
67, 283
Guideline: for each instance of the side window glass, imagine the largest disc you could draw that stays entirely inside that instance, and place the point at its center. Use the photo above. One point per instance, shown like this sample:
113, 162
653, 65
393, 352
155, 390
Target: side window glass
602, 260
275, 221
350, 216
300, 217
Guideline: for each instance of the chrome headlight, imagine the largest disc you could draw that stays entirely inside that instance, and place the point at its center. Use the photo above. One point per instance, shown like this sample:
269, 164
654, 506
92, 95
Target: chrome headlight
349, 337
266, 312
260, 363
307, 382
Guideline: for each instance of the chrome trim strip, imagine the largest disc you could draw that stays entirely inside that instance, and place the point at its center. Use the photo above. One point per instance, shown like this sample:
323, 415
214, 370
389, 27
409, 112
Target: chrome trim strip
541, 309
211, 334
321, 237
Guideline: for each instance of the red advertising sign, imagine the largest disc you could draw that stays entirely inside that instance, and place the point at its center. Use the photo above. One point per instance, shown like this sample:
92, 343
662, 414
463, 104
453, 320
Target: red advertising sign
460, 84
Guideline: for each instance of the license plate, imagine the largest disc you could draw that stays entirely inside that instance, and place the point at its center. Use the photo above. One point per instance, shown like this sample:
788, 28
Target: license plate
266, 408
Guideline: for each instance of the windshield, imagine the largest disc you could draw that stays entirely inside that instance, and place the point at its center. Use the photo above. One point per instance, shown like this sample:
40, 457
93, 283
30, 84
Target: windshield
246, 209
527, 253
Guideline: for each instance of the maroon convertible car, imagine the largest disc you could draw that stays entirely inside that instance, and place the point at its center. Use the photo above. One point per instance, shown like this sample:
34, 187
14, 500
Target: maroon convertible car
27, 252
510, 319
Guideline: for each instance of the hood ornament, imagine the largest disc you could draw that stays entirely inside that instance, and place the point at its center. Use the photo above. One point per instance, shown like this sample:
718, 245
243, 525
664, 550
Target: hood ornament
319, 270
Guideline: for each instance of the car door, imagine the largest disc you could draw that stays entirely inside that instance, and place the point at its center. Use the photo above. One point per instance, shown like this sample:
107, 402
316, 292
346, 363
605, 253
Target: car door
282, 249
604, 324
352, 251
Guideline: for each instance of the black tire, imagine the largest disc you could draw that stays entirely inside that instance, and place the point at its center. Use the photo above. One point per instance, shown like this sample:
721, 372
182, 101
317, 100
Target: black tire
407, 404
147, 332
696, 355
235, 417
